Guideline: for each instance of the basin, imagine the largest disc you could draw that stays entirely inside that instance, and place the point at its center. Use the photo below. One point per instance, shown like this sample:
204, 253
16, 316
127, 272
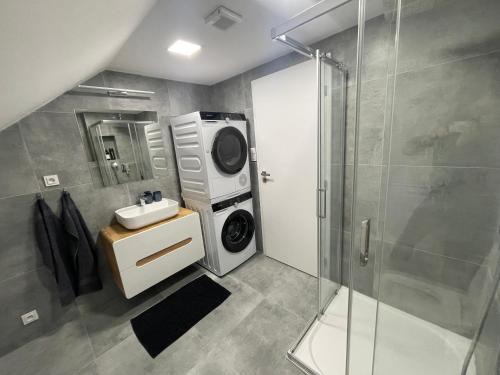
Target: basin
137, 216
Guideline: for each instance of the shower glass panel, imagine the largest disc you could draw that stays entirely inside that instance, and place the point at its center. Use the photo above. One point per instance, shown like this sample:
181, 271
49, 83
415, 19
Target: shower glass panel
431, 194
322, 347
332, 87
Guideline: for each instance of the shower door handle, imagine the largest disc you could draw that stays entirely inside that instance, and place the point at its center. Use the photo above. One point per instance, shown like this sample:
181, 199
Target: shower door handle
321, 203
365, 242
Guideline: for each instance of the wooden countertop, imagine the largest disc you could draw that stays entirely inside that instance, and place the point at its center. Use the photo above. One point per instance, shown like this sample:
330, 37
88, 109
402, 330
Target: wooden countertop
116, 231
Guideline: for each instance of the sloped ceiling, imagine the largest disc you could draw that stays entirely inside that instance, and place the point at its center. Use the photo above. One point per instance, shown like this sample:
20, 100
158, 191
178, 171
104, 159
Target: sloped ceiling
224, 53
49, 46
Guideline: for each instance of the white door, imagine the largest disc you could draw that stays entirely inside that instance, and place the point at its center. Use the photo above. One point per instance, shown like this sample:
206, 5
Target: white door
285, 115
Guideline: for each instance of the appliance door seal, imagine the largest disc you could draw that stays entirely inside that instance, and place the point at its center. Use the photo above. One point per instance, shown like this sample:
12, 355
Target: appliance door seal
237, 231
229, 150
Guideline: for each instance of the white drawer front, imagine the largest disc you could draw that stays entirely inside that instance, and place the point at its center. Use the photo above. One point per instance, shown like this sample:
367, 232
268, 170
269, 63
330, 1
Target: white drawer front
130, 250
136, 279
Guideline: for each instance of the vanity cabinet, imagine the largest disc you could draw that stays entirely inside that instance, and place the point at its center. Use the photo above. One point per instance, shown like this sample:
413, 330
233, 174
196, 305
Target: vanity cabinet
143, 257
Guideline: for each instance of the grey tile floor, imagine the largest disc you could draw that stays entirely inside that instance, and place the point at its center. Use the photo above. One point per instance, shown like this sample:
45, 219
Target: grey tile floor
249, 333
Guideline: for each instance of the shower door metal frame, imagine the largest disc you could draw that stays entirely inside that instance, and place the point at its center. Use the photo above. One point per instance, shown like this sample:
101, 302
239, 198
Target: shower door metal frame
304, 17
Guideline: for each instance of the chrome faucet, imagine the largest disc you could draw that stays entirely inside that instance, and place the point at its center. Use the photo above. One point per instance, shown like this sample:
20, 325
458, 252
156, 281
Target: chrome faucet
142, 199
126, 169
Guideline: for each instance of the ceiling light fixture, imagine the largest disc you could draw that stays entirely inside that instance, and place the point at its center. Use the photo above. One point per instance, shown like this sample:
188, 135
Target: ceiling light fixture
182, 47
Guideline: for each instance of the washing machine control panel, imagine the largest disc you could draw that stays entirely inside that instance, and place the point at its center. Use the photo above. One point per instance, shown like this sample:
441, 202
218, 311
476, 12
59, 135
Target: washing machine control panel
222, 116
231, 202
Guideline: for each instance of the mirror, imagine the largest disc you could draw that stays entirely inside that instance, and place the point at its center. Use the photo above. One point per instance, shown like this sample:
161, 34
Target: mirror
123, 146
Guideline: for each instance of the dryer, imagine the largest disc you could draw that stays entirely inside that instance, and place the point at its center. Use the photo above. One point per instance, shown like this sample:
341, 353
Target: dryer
228, 229
212, 154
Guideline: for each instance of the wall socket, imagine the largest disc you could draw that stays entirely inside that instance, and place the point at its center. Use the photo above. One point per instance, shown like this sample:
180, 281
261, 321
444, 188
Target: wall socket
51, 180
29, 317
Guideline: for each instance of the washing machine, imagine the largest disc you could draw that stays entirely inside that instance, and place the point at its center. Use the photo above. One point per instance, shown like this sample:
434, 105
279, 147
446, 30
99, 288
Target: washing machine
212, 154
228, 229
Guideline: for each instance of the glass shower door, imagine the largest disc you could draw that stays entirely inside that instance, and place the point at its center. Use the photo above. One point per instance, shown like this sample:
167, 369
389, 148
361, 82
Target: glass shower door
420, 302
322, 347
331, 139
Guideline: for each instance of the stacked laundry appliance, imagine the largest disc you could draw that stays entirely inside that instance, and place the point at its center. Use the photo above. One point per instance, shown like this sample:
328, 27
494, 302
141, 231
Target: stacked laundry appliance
212, 158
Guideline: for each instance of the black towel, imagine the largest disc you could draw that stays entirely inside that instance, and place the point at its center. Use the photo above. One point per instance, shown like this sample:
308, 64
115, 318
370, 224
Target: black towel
81, 246
52, 245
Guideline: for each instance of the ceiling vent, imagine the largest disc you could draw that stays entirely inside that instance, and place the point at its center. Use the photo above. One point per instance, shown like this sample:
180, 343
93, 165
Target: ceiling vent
223, 18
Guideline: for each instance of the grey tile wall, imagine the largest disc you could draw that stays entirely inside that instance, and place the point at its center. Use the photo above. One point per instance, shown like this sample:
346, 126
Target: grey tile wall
55, 146
18, 252
186, 98
229, 95
372, 122
49, 141
23, 293
446, 114
441, 220
342, 47
487, 353
451, 212
61, 351
19, 177
435, 32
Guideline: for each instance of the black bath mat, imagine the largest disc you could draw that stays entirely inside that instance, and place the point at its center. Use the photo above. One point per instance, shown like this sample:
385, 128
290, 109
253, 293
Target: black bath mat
162, 324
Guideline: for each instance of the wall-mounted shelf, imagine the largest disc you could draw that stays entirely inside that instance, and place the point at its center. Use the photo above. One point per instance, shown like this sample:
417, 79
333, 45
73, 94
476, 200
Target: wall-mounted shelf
112, 91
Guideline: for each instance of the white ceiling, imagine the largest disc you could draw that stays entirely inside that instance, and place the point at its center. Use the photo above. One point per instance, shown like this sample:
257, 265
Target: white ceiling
49, 46
224, 53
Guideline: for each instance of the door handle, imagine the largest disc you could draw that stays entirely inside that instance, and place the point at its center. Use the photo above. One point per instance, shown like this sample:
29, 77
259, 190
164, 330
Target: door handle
365, 243
321, 203
265, 176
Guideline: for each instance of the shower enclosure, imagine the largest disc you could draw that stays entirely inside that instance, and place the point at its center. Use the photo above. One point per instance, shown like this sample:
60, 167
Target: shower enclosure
408, 186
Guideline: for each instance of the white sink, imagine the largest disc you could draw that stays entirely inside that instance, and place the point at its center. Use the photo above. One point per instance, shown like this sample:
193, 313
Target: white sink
138, 216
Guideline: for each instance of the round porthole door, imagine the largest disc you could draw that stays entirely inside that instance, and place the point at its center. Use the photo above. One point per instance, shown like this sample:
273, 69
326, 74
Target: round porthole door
229, 150
237, 231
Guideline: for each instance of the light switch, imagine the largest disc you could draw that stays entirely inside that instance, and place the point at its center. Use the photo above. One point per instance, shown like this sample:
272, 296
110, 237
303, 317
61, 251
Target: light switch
51, 180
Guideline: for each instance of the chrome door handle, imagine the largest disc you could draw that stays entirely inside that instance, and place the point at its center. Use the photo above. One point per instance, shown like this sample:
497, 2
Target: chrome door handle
365, 242
265, 175
321, 203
